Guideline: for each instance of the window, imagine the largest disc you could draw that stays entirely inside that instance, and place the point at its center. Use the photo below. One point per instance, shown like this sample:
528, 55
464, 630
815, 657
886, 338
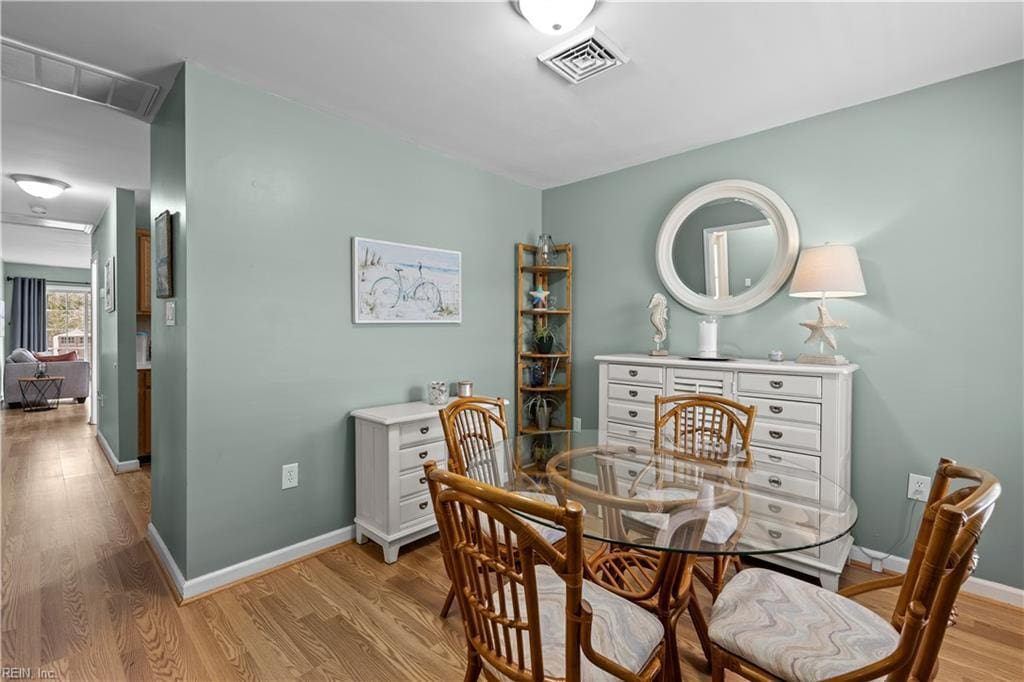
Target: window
68, 326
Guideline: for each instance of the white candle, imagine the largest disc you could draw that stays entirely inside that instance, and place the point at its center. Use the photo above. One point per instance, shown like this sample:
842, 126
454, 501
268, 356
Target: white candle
707, 336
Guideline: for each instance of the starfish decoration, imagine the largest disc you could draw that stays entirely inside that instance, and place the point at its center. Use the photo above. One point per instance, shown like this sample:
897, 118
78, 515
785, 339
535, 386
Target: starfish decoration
540, 297
821, 329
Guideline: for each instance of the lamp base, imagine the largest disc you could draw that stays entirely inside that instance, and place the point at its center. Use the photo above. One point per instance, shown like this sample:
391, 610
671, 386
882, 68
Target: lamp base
812, 359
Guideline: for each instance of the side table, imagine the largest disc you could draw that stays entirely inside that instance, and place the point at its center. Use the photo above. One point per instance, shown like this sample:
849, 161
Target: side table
40, 393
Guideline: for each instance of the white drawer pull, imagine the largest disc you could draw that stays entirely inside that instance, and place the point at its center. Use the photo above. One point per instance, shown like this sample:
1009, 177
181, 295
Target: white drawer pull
633, 413
775, 534
632, 450
632, 372
775, 481
775, 458
423, 505
424, 429
775, 383
776, 409
633, 394
632, 473
774, 508
423, 479
423, 455
775, 434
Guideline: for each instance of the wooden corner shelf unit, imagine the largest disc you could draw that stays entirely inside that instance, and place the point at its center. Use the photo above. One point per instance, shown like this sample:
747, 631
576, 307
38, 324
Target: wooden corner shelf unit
555, 366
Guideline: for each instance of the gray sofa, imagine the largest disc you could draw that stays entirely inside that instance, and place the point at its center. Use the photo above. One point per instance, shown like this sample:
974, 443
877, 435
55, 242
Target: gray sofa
75, 373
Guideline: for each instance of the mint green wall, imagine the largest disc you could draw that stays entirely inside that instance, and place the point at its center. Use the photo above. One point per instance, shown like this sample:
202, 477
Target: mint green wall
928, 186
79, 275
168, 466
118, 410
275, 193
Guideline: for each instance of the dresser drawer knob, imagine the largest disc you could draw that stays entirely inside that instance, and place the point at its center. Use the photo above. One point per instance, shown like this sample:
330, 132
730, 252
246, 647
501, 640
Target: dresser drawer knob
424, 430
633, 413
774, 508
633, 372
775, 534
775, 434
775, 458
632, 473
423, 455
776, 409
632, 450
633, 394
775, 383
423, 479
632, 432
775, 481
423, 505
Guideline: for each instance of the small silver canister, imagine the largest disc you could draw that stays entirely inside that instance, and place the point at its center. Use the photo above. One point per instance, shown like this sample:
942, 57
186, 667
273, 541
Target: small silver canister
465, 389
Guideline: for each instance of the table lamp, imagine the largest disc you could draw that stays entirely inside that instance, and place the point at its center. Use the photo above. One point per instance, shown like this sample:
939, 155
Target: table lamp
829, 271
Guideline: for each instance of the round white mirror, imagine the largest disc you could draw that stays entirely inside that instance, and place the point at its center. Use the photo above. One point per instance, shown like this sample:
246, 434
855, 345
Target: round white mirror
727, 247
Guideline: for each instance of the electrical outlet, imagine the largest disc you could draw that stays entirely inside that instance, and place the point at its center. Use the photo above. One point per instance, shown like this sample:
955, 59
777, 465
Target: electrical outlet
289, 476
577, 423
918, 487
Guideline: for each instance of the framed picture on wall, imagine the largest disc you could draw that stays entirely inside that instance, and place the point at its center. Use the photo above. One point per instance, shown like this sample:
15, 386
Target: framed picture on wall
109, 291
163, 231
402, 283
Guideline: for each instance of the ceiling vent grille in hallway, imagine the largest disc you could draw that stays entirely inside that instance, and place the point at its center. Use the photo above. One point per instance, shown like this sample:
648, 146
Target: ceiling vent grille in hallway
584, 56
49, 71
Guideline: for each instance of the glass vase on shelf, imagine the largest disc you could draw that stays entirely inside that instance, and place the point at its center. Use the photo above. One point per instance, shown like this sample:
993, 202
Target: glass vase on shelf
545, 250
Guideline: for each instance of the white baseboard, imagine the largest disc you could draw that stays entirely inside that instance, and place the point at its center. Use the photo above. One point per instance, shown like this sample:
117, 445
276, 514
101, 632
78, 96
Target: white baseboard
1013, 596
208, 582
118, 466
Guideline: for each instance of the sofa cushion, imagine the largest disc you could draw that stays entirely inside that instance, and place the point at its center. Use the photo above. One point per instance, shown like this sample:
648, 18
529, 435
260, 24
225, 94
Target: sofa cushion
22, 355
70, 356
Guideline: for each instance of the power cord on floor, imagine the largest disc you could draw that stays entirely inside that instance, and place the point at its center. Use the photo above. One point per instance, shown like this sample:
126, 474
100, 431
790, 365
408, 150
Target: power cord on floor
880, 557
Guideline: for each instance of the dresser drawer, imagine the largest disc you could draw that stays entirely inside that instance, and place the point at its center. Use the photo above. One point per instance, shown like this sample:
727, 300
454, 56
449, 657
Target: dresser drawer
788, 512
780, 384
781, 435
414, 509
640, 374
414, 458
789, 483
422, 431
790, 460
767, 533
637, 394
414, 482
635, 433
631, 414
788, 410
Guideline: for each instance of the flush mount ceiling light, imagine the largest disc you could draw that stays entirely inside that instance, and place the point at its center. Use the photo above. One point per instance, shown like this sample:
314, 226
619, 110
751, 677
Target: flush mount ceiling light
37, 221
37, 209
555, 17
38, 186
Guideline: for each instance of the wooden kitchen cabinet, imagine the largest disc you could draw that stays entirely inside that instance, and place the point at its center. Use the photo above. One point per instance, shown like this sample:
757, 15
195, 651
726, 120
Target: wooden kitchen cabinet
145, 412
143, 284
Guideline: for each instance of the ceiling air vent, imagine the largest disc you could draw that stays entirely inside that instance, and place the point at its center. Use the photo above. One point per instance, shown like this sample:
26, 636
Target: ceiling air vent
584, 56
50, 71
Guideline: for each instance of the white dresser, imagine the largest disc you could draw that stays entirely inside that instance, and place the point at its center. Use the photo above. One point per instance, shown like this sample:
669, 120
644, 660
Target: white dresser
803, 425
392, 501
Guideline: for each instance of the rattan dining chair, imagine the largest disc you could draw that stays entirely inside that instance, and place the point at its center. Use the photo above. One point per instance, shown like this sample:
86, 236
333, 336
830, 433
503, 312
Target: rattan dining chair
470, 426
532, 619
706, 427
766, 625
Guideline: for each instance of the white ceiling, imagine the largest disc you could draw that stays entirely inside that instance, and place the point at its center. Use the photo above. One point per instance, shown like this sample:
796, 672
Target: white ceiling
42, 246
462, 77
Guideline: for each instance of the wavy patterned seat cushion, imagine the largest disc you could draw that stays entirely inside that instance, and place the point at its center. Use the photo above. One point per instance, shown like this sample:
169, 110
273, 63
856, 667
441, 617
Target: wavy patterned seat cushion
795, 630
552, 535
722, 522
622, 631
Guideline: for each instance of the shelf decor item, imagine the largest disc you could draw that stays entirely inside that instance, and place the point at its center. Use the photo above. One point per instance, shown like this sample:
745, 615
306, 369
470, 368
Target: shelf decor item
543, 336
659, 318
829, 271
465, 389
437, 392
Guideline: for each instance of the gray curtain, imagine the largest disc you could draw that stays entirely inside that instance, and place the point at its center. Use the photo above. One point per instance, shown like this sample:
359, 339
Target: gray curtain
28, 313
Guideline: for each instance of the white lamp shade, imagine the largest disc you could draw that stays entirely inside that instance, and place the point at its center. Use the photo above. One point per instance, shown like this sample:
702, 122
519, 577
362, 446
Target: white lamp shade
830, 271
555, 17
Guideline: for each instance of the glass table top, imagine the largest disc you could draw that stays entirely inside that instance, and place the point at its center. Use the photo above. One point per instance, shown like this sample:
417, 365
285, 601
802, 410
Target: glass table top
672, 500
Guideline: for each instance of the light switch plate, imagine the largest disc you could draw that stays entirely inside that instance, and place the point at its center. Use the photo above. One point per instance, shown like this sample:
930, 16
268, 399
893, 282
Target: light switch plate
170, 313
577, 423
289, 476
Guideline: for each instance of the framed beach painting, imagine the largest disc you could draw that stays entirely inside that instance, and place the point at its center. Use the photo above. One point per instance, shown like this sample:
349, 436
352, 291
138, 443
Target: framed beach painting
109, 289
163, 236
405, 284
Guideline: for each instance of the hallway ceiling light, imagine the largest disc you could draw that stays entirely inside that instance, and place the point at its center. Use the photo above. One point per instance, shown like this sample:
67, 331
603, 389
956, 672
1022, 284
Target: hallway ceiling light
39, 221
555, 17
38, 186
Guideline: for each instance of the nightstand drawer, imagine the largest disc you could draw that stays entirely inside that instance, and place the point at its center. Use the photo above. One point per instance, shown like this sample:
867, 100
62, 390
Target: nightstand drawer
780, 384
780, 435
631, 414
788, 410
415, 482
415, 509
636, 394
415, 457
640, 374
423, 431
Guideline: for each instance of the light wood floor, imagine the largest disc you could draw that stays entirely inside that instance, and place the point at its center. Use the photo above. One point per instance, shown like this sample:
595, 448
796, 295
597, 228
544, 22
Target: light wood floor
83, 597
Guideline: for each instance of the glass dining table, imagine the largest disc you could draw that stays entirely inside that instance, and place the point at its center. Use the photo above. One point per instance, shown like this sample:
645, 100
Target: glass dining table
665, 509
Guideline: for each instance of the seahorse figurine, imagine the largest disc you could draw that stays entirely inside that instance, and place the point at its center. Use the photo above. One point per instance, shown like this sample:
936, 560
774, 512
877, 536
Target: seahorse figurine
659, 318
